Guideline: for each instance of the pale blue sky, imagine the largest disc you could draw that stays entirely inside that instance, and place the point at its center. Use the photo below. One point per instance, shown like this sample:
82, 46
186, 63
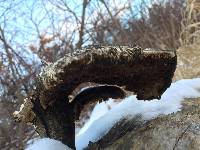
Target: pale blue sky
21, 20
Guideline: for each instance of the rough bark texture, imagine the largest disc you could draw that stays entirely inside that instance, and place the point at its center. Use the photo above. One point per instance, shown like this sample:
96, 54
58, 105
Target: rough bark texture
53, 107
179, 131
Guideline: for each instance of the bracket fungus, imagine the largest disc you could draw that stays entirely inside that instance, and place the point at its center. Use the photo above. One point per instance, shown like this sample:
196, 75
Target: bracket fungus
108, 72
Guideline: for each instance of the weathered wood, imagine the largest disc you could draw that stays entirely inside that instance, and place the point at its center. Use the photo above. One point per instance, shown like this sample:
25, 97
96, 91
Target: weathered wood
178, 131
147, 73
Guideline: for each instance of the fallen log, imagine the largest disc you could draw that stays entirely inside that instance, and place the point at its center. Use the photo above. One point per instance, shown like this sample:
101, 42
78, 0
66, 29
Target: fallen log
177, 131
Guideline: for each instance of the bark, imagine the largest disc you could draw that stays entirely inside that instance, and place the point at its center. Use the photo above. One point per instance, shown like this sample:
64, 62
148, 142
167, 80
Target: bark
53, 107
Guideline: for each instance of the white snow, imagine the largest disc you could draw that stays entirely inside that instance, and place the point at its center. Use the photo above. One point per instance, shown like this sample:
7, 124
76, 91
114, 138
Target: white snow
47, 144
170, 102
99, 110
102, 118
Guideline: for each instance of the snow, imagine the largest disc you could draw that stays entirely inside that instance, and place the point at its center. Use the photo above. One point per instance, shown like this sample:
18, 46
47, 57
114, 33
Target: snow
47, 144
170, 102
106, 114
99, 110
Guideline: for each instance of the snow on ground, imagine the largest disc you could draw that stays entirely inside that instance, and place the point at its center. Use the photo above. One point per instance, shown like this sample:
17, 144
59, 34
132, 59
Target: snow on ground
47, 144
103, 119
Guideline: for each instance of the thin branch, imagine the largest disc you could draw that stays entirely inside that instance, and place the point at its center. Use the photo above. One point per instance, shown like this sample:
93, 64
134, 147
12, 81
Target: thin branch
81, 31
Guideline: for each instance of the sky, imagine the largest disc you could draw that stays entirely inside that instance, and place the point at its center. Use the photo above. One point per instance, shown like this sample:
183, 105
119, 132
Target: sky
20, 21
23, 19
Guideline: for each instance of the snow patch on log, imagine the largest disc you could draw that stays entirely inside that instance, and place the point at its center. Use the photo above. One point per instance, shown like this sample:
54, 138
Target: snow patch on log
130, 107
